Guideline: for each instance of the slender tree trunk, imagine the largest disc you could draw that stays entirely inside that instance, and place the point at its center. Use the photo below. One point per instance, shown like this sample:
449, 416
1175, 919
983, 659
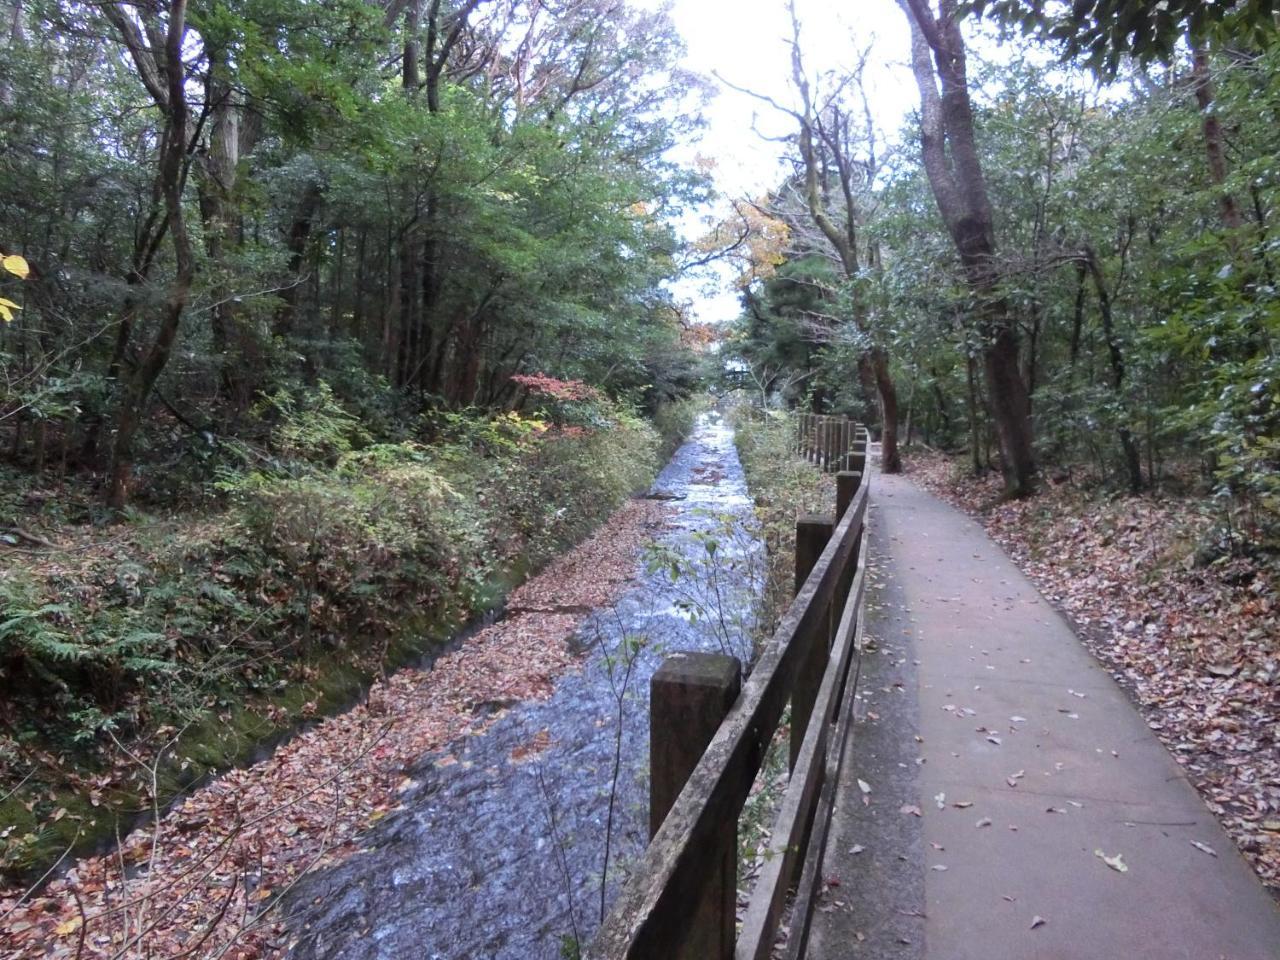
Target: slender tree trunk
815, 135
172, 154
304, 219
1132, 455
1214, 146
1077, 316
952, 164
890, 458
975, 437
940, 399
410, 238
222, 231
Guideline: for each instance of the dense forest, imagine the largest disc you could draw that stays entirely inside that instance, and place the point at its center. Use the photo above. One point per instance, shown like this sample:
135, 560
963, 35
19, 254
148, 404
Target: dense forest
345, 310
407, 204
324, 324
1058, 269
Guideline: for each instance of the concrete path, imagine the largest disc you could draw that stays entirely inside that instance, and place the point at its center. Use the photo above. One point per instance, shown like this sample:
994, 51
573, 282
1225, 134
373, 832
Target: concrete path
982, 711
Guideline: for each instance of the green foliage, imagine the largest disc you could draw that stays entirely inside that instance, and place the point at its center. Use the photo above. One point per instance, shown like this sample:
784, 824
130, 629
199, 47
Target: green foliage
327, 539
314, 427
1106, 31
783, 486
412, 248
675, 420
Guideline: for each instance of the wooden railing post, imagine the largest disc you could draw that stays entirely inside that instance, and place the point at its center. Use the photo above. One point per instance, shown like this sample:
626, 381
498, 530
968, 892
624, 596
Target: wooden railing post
812, 534
689, 697
858, 458
847, 483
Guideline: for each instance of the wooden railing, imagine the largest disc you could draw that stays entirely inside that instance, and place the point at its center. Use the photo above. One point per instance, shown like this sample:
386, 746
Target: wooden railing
831, 443
707, 744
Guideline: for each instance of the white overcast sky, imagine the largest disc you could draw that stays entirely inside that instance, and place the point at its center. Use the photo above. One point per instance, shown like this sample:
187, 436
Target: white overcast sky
745, 41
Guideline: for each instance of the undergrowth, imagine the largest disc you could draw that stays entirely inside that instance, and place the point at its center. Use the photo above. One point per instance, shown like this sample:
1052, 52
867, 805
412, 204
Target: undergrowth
782, 486
331, 553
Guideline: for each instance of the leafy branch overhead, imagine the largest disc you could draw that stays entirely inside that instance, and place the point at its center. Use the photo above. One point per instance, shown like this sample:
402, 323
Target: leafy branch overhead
1104, 32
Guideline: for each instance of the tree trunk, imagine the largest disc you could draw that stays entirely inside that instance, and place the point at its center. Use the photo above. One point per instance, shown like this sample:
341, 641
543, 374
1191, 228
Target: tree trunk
1010, 407
1214, 147
940, 398
1077, 316
222, 231
304, 219
1132, 455
975, 440
410, 318
950, 155
842, 236
890, 458
170, 178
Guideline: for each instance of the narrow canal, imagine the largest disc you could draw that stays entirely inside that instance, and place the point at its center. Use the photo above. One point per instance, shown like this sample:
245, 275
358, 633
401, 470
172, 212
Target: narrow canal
499, 847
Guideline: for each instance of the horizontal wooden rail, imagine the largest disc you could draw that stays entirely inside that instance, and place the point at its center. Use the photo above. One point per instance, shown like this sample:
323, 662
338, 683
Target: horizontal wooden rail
673, 905
800, 802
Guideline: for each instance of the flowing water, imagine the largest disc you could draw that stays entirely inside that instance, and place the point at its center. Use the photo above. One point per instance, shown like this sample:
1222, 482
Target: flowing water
502, 853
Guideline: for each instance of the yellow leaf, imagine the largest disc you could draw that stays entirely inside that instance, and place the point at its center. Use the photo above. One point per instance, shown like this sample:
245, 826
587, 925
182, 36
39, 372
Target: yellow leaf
16, 265
6, 309
67, 927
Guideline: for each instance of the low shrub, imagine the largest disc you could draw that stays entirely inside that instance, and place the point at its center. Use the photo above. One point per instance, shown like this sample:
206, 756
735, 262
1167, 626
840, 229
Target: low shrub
675, 420
782, 486
330, 542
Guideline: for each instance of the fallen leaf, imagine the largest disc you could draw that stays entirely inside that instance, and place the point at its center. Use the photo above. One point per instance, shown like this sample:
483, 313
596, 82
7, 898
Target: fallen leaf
984, 822
1116, 863
910, 808
1037, 922
1204, 847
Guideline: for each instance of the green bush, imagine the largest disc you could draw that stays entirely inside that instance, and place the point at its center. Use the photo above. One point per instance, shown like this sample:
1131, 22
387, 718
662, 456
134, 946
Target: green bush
782, 486
347, 548
330, 542
674, 421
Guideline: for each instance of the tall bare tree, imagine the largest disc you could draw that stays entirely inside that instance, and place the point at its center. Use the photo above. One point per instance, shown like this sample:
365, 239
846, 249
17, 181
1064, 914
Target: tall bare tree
826, 154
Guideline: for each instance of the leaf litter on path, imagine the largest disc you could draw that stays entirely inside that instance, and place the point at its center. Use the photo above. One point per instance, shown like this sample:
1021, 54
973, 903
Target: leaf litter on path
1194, 644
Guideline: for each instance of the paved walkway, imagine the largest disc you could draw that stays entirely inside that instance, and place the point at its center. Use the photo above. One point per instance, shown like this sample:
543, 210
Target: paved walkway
984, 714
